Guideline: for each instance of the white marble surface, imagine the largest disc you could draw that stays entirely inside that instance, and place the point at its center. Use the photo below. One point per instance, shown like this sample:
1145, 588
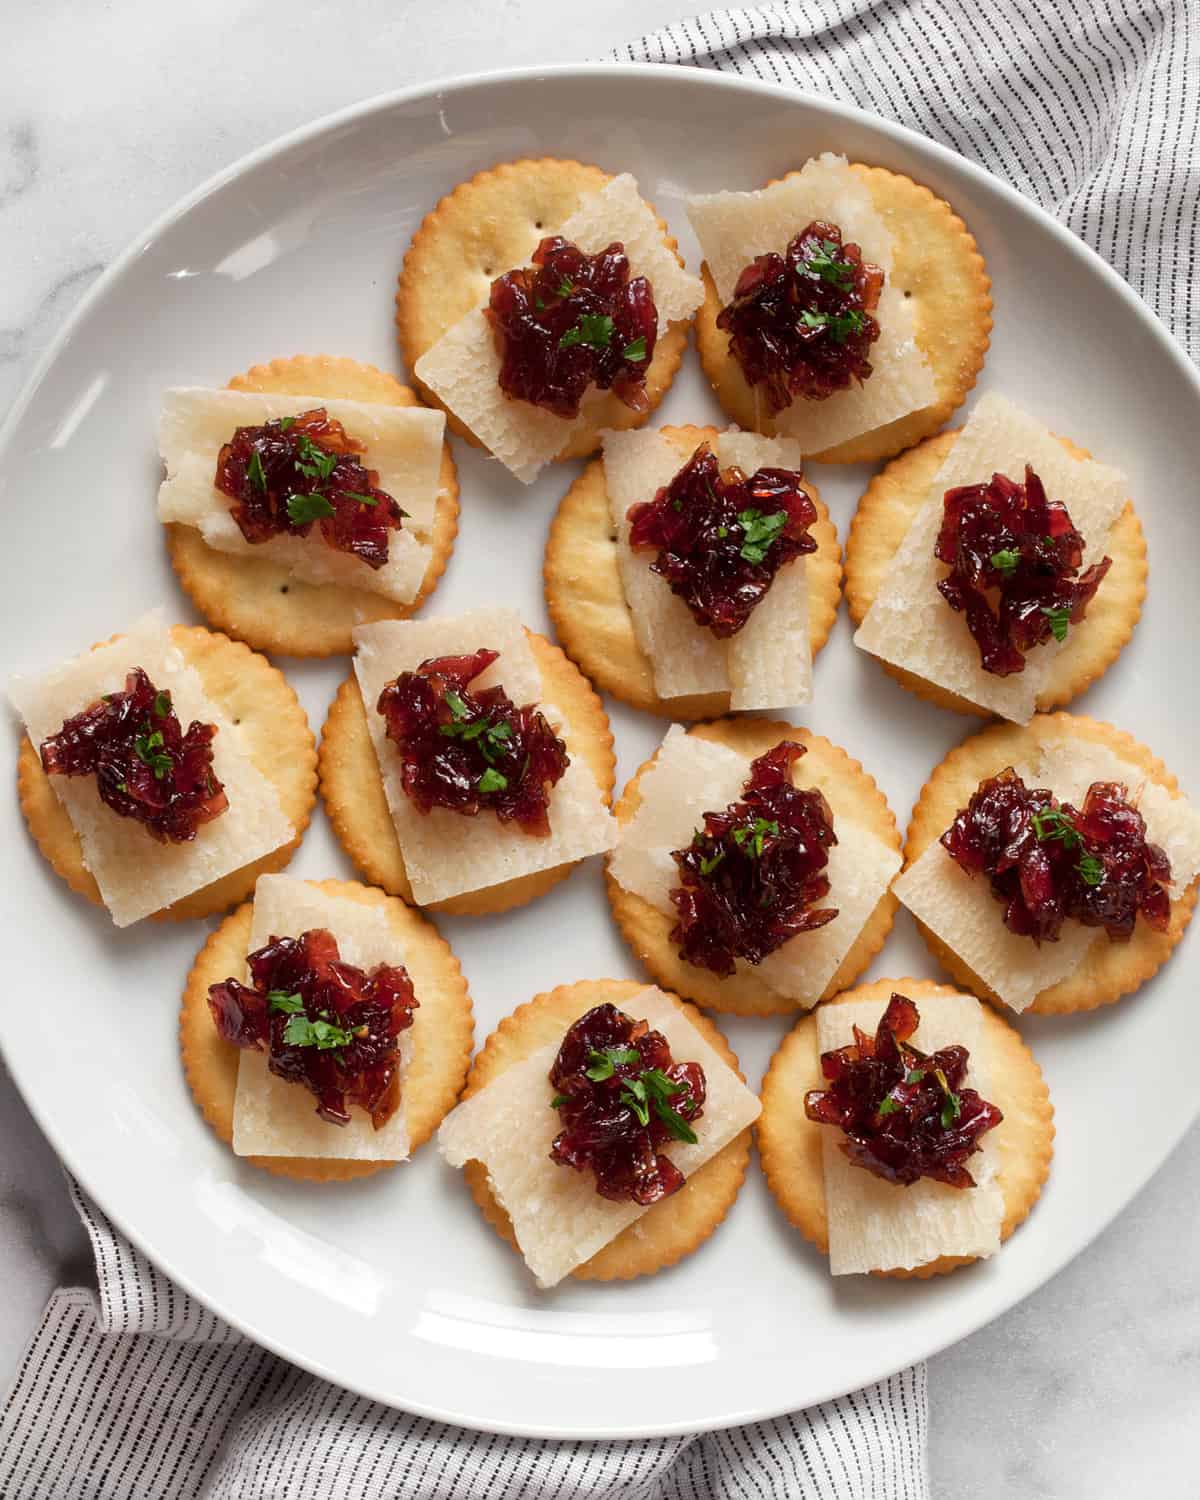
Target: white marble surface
109, 112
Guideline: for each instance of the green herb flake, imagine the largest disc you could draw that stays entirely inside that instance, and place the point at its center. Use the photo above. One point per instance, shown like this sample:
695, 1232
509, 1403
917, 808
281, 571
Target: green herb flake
313, 460
952, 1107
162, 705
915, 1075
256, 473
492, 781
280, 1000
604, 1064
559, 1100
888, 1106
593, 329
565, 287
1091, 869
1005, 561
362, 499
635, 352
456, 706
1051, 823
710, 863
759, 531
827, 264
1060, 621
323, 1035
634, 1096
304, 508
149, 750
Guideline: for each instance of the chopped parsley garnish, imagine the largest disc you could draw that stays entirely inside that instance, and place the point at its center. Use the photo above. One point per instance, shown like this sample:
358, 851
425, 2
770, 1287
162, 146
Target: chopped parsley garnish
759, 532
255, 471
952, 1108
324, 1035
304, 508
888, 1106
756, 833
313, 461
1052, 823
915, 1075
826, 264
708, 865
362, 499
457, 707
565, 287
559, 1100
290, 1005
1060, 621
594, 329
839, 326
149, 750
1005, 561
605, 1064
162, 705
492, 781
1091, 869
286, 423
636, 351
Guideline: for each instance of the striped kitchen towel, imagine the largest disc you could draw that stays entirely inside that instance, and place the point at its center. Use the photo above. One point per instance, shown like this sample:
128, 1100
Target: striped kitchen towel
1090, 109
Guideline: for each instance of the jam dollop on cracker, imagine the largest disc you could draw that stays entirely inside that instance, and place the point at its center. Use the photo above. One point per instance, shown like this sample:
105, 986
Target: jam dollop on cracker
323, 1023
293, 471
800, 324
905, 1114
751, 877
720, 538
1047, 861
147, 767
571, 321
1014, 560
620, 1097
468, 750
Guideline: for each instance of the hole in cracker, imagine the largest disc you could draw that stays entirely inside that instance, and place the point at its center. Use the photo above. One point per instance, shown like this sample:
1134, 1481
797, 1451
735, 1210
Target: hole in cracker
537, 223
237, 721
283, 588
908, 294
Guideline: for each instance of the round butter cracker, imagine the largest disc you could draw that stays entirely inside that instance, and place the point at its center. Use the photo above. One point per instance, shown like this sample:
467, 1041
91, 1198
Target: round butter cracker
257, 697
587, 604
442, 1032
1108, 970
844, 783
937, 265
668, 1230
789, 1143
889, 506
485, 228
260, 601
357, 805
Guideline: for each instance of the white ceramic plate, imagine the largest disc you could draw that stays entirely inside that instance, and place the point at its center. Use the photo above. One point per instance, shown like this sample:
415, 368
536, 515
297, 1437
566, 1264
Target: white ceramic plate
395, 1287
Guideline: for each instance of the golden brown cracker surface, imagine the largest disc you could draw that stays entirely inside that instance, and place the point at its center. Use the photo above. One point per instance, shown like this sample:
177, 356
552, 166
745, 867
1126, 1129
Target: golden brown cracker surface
261, 602
1108, 970
668, 1230
257, 697
487, 226
939, 268
789, 1143
587, 603
889, 506
442, 1032
845, 786
357, 805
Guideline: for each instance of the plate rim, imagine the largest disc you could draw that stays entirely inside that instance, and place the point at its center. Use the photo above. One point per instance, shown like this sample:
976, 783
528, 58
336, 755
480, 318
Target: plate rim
381, 103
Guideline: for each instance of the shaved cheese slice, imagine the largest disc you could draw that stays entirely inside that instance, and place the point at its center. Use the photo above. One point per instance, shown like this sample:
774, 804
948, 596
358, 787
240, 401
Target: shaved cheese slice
962, 911
272, 1117
692, 776
446, 854
463, 367
877, 1226
768, 663
559, 1219
911, 625
403, 444
735, 227
135, 873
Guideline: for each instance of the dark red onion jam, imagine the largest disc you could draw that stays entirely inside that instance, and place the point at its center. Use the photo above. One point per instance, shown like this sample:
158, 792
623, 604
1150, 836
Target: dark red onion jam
472, 750
1047, 861
294, 471
621, 1097
146, 766
570, 321
721, 539
800, 323
322, 1023
1005, 542
906, 1114
751, 877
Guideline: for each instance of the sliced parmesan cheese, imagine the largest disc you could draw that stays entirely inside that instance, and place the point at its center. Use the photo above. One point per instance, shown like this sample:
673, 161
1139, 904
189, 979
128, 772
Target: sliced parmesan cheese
403, 444
463, 367
962, 911
911, 625
877, 1226
446, 854
768, 663
559, 1219
735, 227
692, 776
135, 873
272, 1117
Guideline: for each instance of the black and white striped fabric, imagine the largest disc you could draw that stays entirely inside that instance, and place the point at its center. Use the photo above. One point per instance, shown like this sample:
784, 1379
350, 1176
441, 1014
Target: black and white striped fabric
137, 1393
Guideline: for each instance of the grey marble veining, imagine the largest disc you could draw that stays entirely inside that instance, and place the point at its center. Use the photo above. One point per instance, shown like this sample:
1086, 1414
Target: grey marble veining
107, 115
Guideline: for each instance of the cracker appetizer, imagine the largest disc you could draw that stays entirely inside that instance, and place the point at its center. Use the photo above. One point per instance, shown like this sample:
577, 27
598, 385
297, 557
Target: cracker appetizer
541, 302
603, 1131
1053, 867
845, 306
997, 569
164, 771
313, 495
326, 1029
906, 1129
466, 764
691, 571
753, 866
